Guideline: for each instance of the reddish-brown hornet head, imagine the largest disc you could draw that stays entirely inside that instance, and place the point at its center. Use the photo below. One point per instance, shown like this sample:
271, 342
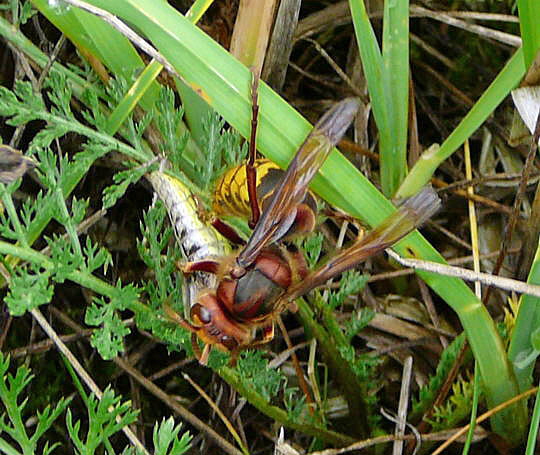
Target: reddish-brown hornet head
212, 324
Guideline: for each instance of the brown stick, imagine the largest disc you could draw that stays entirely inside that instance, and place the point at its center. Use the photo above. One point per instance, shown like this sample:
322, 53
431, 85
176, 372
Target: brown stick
251, 170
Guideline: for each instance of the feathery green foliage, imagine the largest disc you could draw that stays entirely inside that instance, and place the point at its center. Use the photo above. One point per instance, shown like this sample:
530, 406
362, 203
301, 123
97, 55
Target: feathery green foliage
165, 287
428, 393
253, 371
106, 417
13, 417
456, 408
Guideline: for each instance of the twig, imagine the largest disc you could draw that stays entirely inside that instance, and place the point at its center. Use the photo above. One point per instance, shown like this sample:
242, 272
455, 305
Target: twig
296, 363
484, 180
81, 228
441, 184
468, 275
430, 307
282, 357
496, 35
218, 411
432, 51
52, 58
481, 16
45, 345
357, 446
36, 83
402, 406
169, 369
338, 70
112, 20
456, 261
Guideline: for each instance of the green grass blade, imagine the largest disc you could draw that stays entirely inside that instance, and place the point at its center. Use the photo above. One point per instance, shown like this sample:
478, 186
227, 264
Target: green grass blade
395, 54
533, 429
195, 108
527, 322
198, 8
474, 412
529, 18
507, 79
372, 63
387, 77
133, 96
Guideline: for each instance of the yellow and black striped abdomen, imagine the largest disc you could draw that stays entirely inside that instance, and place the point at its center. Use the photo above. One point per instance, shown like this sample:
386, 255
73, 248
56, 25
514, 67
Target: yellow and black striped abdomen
231, 195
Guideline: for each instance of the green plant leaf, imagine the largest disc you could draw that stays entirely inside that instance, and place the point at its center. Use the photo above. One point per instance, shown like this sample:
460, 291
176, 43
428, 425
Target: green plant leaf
166, 440
30, 287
